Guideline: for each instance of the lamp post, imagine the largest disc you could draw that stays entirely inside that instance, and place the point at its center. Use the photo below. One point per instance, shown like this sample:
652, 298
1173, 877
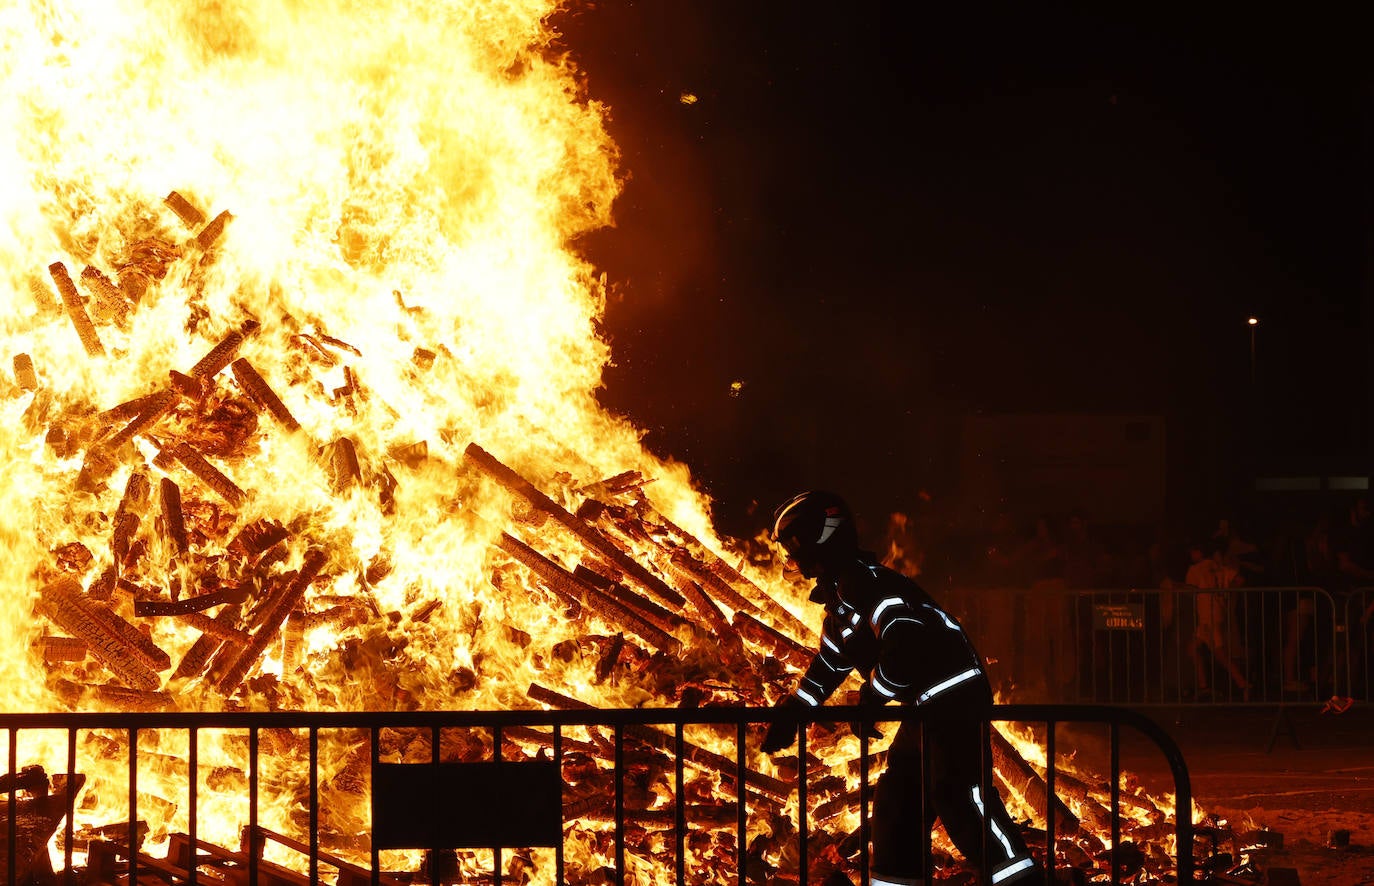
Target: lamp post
1252, 322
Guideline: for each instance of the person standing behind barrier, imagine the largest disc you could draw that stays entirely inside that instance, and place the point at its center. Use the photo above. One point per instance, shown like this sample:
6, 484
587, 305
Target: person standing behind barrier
1214, 630
1352, 548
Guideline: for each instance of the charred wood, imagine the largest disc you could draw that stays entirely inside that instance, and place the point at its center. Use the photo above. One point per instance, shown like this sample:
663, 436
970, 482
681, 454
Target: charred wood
127, 699
190, 216
223, 353
258, 536
211, 232
63, 604
198, 656
709, 760
110, 305
666, 621
173, 521
1022, 776
152, 410
60, 648
602, 546
76, 310
187, 605
262, 394
566, 585
208, 474
277, 609
779, 645
23, 372
344, 470
43, 297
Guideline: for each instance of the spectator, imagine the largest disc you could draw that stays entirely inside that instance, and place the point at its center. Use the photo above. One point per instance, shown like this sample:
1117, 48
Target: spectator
1086, 562
1350, 546
1214, 630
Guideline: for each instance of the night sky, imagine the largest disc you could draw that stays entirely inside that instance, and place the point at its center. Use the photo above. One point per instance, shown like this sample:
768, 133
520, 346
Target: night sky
881, 217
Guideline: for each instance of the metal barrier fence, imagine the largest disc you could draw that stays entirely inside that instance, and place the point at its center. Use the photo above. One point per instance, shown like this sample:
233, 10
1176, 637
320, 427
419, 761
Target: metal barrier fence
1359, 643
520, 802
1180, 646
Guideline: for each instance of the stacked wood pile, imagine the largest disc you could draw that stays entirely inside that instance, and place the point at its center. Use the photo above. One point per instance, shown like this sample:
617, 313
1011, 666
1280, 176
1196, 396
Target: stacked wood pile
645, 600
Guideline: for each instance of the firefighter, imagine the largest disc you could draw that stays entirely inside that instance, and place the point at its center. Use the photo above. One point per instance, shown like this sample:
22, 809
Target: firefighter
884, 626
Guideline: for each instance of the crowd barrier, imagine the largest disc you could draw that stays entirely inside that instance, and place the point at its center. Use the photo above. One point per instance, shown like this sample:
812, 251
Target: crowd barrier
574, 784
1179, 646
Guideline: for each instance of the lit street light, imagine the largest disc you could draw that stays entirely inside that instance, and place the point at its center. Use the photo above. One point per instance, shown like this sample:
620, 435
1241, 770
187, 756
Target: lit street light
1252, 322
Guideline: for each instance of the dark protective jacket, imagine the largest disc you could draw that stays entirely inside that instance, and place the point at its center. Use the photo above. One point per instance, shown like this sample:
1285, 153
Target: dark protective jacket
884, 625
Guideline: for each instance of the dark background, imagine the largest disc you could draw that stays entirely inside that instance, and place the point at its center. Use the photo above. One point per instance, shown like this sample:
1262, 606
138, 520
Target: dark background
881, 217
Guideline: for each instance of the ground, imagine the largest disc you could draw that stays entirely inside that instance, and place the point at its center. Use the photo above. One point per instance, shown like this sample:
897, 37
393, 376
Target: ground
1311, 776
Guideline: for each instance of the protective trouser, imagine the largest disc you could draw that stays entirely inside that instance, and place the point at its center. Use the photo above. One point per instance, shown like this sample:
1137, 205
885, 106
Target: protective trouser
958, 795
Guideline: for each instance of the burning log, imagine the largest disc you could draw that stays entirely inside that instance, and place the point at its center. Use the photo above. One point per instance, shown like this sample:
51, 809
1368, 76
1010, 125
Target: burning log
344, 470
211, 627
43, 297
23, 372
190, 216
208, 474
720, 578
568, 586
127, 699
277, 609
262, 394
153, 408
211, 232
62, 602
60, 648
76, 310
597, 542
257, 537
188, 386
198, 656
173, 522
223, 353
780, 646
187, 605
1023, 777
668, 622
708, 760
109, 300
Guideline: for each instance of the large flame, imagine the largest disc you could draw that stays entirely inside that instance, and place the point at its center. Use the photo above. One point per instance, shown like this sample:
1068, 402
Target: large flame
406, 182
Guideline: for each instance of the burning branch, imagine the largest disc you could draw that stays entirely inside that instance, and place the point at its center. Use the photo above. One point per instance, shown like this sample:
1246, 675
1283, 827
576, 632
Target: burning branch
64, 604
594, 540
209, 474
568, 586
261, 393
276, 611
76, 310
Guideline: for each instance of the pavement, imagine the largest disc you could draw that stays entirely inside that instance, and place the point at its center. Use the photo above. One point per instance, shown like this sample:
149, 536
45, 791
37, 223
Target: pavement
1295, 770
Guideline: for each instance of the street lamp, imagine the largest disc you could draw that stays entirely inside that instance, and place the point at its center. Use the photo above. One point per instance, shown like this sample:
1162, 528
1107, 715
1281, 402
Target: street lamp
1252, 322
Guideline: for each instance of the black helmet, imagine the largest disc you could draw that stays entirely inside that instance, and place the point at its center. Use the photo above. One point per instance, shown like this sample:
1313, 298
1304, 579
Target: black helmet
817, 530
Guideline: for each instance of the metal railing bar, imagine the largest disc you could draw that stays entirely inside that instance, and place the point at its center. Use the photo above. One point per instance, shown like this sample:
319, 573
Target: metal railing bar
69, 829
741, 826
1116, 803
374, 737
12, 838
1049, 798
133, 805
680, 803
192, 799
314, 788
495, 850
619, 735
252, 804
802, 831
865, 863
558, 861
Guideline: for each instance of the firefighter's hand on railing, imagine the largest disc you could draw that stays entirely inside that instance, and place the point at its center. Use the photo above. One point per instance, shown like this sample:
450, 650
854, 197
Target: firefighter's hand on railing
865, 726
782, 733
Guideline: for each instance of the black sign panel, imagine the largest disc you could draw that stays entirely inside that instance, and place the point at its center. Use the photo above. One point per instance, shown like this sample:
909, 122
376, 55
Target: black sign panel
466, 805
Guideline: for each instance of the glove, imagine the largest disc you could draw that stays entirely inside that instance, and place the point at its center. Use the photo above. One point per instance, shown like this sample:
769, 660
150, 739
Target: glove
868, 698
783, 732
